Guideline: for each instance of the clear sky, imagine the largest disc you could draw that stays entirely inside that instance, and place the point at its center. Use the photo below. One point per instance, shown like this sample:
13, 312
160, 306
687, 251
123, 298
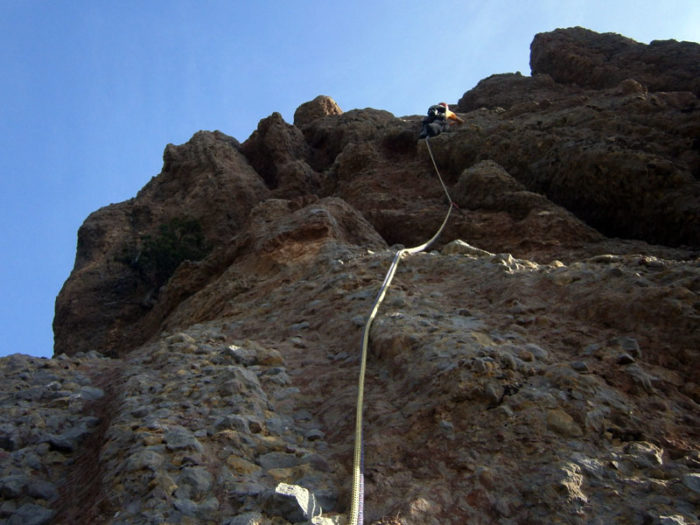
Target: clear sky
92, 91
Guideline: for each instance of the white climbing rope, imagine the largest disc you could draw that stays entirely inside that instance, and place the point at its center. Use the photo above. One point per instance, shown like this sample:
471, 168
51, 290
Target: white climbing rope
357, 506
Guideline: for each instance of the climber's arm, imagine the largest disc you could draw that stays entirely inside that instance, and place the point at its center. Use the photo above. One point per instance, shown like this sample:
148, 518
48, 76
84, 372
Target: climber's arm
453, 116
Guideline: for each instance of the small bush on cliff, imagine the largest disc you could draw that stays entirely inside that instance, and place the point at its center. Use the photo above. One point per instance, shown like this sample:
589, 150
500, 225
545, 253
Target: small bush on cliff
156, 257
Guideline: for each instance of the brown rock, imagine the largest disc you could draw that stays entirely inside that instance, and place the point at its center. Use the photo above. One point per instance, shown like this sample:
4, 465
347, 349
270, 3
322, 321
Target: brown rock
562, 423
321, 106
513, 89
278, 152
493, 390
328, 137
589, 59
593, 152
282, 238
106, 303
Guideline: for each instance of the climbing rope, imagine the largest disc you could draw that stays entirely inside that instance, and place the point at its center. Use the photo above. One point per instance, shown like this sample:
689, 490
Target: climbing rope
358, 482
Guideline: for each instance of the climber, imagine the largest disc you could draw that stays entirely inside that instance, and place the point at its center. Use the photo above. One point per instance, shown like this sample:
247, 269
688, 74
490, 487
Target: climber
437, 120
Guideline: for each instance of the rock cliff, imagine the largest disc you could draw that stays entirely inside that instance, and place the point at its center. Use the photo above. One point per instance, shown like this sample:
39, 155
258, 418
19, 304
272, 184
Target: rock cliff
538, 366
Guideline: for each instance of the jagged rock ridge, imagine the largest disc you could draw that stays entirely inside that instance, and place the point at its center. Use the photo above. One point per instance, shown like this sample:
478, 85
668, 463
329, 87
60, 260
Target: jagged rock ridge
208, 336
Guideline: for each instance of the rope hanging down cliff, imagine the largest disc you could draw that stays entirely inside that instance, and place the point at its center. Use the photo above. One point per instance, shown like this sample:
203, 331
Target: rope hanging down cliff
356, 512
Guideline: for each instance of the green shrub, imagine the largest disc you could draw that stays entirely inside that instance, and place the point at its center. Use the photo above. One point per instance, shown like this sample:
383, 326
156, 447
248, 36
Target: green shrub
156, 257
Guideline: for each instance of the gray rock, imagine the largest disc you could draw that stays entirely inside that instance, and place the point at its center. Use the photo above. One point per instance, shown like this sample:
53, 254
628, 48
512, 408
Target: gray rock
280, 378
9, 437
447, 426
30, 394
242, 381
278, 460
692, 481
31, 514
537, 351
55, 422
591, 466
42, 489
298, 342
248, 518
241, 492
186, 506
196, 481
492, 392
316, 461
278, 425
69, 440
314, 434
303, 415
33, 461
304, 498
207, 507
90, 421
8, 507
143, 459
13, 486
140, 412
243, 356
91, 393
580, 366
233, 421
180, 438
276, 504
644, 455
641, 378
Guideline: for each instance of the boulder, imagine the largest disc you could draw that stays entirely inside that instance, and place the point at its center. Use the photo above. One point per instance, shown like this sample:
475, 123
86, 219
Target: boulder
319, 107
205, 184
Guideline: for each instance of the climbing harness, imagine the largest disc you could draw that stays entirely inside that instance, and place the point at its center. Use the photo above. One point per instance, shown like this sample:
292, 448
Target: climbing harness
358, 485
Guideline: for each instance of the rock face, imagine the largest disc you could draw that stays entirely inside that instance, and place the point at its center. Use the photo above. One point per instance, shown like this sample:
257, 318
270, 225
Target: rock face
108, 301
624, 160
589, 59
537, 367
279, 153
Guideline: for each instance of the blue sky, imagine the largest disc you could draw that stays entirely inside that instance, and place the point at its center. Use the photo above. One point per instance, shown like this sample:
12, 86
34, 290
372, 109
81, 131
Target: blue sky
92, 91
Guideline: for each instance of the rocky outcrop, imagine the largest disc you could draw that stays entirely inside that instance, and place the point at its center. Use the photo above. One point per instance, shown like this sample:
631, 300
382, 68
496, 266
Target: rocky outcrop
107, 302
319, 107
278, 152
328, 136
624, 160
535, 367
589, 59
503, 91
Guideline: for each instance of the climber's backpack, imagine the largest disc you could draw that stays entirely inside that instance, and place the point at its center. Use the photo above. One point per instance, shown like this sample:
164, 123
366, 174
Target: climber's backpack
436, 112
